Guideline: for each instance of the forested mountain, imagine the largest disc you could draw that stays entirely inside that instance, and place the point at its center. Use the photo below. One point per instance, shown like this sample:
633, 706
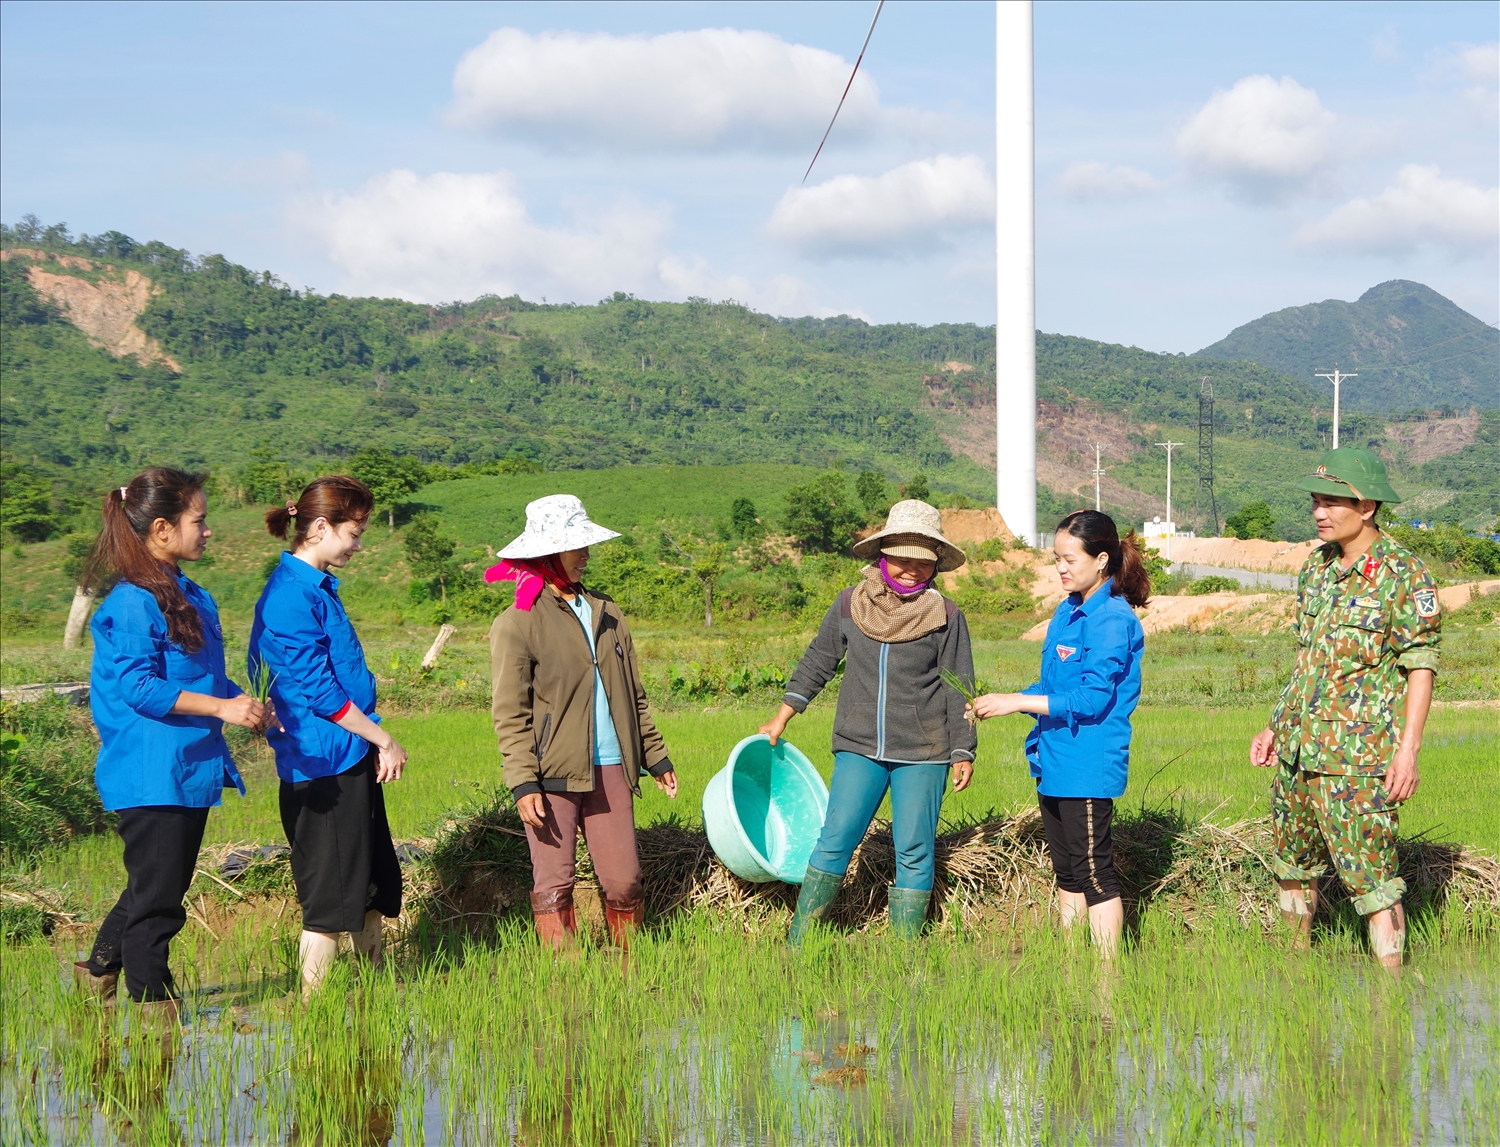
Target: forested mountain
1412, 348
117, 354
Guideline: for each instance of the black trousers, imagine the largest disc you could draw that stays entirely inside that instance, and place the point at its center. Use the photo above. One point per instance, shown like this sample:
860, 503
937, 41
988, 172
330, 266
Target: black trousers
161, 852
343, 861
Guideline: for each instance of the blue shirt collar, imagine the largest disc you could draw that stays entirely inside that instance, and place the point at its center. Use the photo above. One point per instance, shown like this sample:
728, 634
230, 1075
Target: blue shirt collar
307, 572
1095, 601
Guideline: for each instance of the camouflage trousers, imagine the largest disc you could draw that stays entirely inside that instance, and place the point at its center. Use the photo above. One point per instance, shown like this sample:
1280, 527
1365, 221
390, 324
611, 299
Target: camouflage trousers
1350, 819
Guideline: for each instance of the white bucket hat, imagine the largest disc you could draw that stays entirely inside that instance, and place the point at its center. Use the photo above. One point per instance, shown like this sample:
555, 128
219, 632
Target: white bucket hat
554, 525
912, 529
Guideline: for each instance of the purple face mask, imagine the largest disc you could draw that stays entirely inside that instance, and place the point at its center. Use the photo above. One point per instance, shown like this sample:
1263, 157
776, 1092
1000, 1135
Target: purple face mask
897, 587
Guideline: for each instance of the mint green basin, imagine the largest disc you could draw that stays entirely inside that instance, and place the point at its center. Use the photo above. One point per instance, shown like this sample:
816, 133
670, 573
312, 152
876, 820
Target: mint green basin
764, 809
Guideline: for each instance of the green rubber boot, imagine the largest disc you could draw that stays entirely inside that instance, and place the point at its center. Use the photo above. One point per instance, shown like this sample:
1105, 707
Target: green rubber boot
908, 911
813, 903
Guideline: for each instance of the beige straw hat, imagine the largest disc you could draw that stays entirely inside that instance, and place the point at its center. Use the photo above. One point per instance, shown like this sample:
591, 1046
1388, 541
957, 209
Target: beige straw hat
913, 529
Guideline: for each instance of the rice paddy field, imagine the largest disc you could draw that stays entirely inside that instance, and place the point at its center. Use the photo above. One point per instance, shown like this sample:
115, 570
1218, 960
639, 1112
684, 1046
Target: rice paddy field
711, 1031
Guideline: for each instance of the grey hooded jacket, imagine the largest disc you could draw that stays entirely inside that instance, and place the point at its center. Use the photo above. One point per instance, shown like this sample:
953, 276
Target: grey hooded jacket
893, 706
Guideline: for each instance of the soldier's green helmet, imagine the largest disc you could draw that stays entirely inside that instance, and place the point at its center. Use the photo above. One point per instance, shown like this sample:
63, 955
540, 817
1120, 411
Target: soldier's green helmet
1350, 473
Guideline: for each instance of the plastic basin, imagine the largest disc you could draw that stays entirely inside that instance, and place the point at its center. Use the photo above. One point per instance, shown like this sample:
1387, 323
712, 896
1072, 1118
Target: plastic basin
764, 809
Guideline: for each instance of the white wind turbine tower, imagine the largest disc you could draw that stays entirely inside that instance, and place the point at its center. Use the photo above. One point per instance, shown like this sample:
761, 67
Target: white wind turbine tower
1015, 261
1015, 270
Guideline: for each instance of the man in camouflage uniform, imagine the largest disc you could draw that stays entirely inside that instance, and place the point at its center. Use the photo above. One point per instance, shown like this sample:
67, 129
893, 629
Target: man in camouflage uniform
1345, 735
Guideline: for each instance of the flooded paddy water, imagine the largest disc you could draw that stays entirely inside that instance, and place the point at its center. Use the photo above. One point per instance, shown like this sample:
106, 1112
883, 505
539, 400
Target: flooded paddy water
710, 1035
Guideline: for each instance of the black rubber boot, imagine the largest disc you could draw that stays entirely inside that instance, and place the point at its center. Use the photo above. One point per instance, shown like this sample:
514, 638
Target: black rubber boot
813, 903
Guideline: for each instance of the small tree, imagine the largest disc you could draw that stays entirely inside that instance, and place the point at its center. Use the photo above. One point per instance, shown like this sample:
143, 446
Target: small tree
390, 478
706, 561
1252, 521
268, 480
916, 488
26, 509
873, 492
743, 521
822, 516
430, 554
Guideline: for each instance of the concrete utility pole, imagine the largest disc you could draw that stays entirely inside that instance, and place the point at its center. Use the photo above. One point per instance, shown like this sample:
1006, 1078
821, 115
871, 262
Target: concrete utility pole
1098, 472
1171, 528
1336, 378
1015, 270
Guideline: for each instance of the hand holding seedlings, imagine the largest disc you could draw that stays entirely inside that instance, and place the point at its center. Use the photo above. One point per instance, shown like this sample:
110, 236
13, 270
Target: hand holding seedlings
1004, 704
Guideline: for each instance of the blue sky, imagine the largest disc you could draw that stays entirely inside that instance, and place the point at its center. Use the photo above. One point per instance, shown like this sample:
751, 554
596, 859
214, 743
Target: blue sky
1197, 164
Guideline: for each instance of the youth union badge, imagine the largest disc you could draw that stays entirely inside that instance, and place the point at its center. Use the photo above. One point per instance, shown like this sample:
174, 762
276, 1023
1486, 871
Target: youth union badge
1427, 602
1066, 651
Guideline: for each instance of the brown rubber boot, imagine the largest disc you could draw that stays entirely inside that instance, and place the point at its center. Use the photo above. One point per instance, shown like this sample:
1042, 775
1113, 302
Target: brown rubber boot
102, 988
623, 917
161, 1016
553, 914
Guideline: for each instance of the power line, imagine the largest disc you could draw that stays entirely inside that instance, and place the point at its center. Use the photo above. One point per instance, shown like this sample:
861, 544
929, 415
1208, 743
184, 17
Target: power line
1098, 472
847, 86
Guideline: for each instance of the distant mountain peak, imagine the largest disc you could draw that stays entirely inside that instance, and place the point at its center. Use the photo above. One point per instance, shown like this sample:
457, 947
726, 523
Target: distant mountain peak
1412, 348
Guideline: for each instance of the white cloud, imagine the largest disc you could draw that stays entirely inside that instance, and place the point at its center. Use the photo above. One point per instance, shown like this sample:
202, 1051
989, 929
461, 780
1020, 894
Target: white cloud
1260, 134
1475, 70
447, 236
718, 87
915, 206
1090, 179
1420, 209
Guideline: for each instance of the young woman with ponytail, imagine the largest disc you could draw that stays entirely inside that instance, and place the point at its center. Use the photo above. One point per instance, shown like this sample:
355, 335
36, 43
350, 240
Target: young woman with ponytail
331, 754
1079, 750
160, 696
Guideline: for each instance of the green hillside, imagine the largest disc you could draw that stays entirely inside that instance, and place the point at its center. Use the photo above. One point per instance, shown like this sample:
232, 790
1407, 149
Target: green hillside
1412, 348
244, 375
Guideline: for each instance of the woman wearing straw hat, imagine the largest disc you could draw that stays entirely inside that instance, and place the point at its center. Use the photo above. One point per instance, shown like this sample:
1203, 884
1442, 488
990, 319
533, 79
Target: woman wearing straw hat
570, 713
898, 726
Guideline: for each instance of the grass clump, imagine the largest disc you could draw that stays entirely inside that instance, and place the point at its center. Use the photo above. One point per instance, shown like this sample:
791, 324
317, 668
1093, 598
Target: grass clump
47, 792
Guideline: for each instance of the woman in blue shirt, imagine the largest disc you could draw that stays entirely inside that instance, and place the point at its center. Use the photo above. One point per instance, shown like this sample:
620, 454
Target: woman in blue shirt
1079, 750
331, 754
160, 696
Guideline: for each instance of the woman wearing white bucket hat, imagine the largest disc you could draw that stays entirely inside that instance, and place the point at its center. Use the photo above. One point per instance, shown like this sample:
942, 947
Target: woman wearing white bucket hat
899, 727
571, 716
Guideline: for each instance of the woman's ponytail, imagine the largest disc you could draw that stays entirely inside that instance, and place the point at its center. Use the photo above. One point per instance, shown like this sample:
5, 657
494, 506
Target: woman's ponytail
120, 552
1133, 580
1127, 556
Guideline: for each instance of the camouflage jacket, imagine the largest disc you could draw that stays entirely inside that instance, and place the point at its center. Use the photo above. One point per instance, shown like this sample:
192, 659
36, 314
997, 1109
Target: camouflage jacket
1358, 632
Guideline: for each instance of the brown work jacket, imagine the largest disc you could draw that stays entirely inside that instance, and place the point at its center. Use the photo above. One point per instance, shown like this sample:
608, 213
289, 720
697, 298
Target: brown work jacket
542, 696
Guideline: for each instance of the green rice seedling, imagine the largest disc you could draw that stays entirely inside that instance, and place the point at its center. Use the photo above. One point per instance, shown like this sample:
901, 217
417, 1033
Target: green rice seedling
261, 680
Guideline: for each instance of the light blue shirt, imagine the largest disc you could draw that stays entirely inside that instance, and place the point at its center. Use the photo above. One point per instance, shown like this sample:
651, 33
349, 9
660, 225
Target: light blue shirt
1091, 676
149, 755
606, 740
306, 642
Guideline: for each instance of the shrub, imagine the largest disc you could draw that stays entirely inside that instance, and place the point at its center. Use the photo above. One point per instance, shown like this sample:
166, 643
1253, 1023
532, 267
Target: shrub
1214, 583
1447, 542
1252, 521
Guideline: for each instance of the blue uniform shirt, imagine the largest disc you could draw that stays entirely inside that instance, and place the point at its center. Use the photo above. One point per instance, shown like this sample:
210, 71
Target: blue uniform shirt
606, 740
149, 755
304, 638
1091, 676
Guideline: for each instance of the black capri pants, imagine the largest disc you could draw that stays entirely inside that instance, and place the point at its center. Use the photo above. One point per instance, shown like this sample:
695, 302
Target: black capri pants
343, 861
1082, 845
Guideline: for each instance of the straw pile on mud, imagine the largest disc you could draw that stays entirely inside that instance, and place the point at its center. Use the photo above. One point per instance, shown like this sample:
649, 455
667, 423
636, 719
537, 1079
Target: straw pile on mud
994, 875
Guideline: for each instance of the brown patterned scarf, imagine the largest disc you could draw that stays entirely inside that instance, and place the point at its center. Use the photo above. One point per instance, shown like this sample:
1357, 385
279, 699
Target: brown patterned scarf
884, 615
